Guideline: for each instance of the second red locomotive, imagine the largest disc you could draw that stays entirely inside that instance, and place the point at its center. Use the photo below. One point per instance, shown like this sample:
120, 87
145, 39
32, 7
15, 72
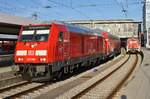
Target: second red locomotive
133, 45
45, 51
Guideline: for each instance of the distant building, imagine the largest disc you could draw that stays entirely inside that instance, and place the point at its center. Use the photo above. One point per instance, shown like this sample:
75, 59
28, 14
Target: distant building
146, 22
123, 28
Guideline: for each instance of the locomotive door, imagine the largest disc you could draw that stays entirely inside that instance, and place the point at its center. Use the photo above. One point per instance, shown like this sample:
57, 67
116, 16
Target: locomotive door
66, 45
106, 46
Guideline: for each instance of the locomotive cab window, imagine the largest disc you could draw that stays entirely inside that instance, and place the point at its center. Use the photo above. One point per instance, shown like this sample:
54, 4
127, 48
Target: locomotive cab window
35, 33
42, 35
27, 35
61, 37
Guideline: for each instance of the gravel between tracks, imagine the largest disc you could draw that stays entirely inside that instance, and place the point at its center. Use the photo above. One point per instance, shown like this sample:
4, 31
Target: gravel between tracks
74, 91
48, 92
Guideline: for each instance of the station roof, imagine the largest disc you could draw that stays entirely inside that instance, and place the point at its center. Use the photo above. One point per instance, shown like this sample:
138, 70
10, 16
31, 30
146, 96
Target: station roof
16, 20
10, 24
8, 37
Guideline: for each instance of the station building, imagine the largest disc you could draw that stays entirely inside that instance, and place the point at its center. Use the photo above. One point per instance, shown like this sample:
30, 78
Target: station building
124, 28
146, 22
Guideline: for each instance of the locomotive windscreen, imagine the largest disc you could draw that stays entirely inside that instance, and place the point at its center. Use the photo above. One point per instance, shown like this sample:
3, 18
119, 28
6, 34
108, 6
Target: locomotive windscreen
35, 33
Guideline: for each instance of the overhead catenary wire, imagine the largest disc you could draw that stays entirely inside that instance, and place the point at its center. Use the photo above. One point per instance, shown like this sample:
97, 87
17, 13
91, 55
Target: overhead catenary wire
108, 4
41, 8
67, 6
122, 7
18, 8
32, 9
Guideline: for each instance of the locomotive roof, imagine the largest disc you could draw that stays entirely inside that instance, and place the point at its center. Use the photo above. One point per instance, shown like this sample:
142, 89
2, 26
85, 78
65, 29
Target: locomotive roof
79, 29
83, 30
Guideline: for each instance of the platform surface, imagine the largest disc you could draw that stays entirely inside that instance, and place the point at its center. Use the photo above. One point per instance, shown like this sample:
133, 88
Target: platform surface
139, 86
5, 69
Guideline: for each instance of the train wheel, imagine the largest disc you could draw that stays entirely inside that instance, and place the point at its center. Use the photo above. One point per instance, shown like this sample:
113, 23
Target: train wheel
66, 69
71, 69
58, 75
77, 66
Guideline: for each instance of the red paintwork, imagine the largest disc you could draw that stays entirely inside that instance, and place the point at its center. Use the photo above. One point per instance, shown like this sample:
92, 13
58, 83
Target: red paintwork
111, 43
107, 43
74, 45
133, 43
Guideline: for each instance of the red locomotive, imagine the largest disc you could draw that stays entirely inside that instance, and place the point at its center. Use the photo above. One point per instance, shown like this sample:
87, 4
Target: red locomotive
133, 45
45, 51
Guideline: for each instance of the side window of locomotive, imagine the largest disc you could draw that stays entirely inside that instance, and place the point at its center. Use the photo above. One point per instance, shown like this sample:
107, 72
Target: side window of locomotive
61, 37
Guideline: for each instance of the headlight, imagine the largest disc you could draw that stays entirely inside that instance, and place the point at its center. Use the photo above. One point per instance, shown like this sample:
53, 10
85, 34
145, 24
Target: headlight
42, 59
21, 52
20, 59
41, 52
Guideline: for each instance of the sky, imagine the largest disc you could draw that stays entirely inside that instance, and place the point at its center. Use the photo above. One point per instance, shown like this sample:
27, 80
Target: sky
66, 10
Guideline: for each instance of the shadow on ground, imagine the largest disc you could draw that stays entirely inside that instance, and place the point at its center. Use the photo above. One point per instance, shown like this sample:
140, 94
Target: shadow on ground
123, 97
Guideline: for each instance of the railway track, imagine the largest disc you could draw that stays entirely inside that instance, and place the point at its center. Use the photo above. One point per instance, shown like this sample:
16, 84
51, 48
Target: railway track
62, 89
9, 81
107, 86
25, 89
19, 89
100, 82
6, 74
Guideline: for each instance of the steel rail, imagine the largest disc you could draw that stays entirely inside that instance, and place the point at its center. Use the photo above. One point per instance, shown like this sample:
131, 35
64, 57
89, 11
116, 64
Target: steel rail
112, 91
125, 78
13, 86
19, 94
99, 81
